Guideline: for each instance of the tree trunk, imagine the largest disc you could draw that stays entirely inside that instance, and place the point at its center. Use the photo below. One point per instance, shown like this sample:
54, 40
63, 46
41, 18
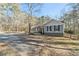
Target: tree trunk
29, 28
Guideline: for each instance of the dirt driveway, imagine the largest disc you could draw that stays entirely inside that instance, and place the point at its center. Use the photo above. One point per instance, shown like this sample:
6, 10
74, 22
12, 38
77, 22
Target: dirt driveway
18, 45
14, 45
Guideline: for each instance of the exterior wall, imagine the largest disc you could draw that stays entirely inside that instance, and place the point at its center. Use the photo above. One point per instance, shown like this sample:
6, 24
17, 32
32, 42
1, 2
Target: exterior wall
34, 30
56, 33
61, 32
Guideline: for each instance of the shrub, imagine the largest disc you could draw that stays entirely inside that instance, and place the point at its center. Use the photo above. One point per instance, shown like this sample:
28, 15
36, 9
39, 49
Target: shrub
69, 31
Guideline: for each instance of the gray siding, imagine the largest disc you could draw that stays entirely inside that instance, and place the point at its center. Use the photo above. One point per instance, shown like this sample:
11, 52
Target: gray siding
54, 32
52, 23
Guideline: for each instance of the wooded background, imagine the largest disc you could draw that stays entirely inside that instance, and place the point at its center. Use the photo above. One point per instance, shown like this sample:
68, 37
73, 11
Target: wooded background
13, 19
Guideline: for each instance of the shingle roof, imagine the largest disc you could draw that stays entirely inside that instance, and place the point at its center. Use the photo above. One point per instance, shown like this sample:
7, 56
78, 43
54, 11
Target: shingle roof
37, 25
53, 21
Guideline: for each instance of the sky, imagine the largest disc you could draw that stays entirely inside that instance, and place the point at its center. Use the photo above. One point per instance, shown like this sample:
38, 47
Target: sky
54, 10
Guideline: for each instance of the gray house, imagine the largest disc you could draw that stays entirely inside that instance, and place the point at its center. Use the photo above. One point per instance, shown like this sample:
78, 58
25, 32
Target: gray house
52, 27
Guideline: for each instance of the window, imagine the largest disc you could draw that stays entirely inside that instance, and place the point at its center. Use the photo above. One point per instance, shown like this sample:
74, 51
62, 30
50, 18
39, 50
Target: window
49, 28
56, 27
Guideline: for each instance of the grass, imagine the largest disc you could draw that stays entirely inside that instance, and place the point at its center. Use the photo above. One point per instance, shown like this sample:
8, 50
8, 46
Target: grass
5, 50
56, 45
8, 52
42, 45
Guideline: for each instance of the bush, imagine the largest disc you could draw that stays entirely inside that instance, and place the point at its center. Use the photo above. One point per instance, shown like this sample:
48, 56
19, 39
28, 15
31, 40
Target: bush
69, 31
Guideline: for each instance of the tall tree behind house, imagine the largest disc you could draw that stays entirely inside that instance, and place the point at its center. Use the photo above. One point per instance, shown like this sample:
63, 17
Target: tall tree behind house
32, 9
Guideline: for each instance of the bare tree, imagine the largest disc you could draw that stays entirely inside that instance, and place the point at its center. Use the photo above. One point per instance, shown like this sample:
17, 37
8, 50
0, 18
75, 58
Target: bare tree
17, 20
32, 9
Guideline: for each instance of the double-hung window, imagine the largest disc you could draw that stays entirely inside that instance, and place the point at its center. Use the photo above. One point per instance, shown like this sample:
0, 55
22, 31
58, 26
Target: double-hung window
56, 27
49, 28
